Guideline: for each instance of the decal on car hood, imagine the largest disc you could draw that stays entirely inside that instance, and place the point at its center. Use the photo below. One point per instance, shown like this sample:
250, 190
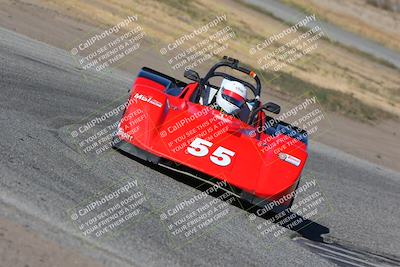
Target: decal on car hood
148, 99
290, 159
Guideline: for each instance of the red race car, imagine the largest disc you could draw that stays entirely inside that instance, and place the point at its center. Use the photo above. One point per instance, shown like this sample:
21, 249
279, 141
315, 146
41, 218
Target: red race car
211, 130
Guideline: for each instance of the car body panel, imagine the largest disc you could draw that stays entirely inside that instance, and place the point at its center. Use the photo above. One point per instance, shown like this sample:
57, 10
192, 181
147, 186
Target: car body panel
166, 126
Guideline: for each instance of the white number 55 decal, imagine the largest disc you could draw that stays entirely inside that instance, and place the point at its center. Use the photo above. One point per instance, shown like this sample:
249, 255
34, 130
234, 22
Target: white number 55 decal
221, 156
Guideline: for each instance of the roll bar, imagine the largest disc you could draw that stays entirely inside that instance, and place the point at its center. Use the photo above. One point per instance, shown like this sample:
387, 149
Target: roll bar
233, 64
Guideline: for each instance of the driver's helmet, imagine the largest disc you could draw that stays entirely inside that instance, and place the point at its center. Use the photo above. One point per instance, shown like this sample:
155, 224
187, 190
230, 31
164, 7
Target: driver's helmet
231, 96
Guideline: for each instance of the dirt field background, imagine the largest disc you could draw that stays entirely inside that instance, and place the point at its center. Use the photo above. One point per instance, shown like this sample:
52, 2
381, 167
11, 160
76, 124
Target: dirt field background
369, 88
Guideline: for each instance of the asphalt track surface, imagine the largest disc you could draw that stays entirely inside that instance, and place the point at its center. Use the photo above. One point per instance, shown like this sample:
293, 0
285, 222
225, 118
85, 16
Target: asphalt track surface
333, 32
43, 96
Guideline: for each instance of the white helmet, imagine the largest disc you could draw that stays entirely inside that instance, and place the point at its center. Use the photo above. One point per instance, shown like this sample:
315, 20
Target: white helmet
231, 96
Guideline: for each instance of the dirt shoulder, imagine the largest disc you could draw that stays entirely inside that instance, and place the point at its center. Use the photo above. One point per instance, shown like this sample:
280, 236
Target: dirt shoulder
21, 247
377, 142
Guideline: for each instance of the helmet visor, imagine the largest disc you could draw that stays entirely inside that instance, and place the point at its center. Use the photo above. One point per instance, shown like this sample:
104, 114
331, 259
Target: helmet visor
233, 98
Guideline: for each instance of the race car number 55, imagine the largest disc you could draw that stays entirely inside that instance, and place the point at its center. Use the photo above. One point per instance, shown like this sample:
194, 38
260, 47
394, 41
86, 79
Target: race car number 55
200, 148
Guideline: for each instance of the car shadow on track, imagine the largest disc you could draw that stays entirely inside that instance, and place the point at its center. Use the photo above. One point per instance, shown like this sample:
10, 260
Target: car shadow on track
307, 228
